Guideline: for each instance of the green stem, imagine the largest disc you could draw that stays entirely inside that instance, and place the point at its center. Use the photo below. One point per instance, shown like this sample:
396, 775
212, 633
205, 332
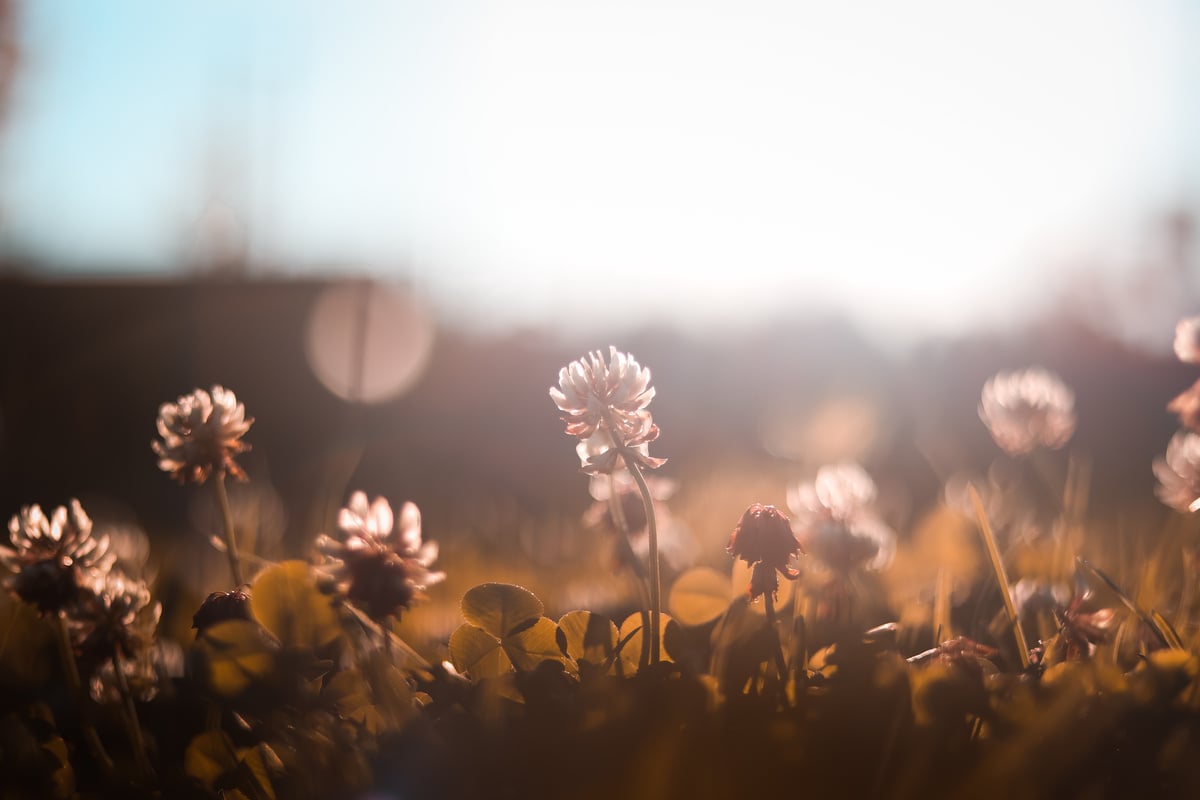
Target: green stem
235, 564
655, 575
639, 569
67, 655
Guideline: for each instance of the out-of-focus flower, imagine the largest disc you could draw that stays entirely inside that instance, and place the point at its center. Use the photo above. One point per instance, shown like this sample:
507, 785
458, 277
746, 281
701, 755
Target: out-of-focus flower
201, 433
604, 404
221, 607
835, 521
1080, 629
1028, 409
1187, 340
1178, 472
373, 568
763, 539
141, 676
674, 540
114, 615
51, 556
1187, 407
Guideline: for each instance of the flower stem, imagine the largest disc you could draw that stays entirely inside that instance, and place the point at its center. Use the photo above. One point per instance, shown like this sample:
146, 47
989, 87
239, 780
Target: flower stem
71, 669
235, 564
655, 580
989, 540
780, 662
639, 569
132, 726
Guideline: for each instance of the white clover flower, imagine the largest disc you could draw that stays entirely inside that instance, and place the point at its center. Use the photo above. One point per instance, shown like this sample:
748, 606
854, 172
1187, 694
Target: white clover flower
604, 405
201, 433
1187, 340
1028, 409
372, 567
52, 556
835, 522
1178, 472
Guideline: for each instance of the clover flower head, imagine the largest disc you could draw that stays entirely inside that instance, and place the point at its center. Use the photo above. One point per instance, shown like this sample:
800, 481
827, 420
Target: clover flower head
114, 615
1178, 472
604, 405
763, 538
221, 607
51, 556
1028, 409
377, 570
835, 520
201, 433
1187, 340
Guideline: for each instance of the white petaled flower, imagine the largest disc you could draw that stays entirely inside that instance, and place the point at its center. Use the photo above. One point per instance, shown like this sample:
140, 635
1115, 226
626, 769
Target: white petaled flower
376, 565
1187, 340
115, 615
835, 522
1178, 472
604, 405
201, 433
51, 556
1028, 409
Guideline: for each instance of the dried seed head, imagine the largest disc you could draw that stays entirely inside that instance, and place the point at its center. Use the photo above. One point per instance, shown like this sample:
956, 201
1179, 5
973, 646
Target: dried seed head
221, 607
201, 433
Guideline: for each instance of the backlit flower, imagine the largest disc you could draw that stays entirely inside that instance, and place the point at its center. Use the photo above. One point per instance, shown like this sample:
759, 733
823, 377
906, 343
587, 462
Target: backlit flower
379, 571
201, 433
835, 521
1187, 340
114, 615
1028, 409
1178, 472
763, 539
604, 404
51, 556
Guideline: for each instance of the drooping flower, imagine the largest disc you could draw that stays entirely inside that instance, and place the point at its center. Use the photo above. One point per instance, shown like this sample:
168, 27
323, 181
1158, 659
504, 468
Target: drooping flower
763, 539
1178, 472
375, 569
51, 556
604, 404
835, 521
201, 433
1028, 409
1187, 340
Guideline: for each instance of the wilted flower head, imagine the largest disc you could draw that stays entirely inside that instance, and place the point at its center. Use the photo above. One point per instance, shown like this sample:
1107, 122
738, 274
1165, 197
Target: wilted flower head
1187, 340
1028, 409
201, 433
52, 555
604, 404
763, 539
221, 607
1178, 472
835, 521
376, 570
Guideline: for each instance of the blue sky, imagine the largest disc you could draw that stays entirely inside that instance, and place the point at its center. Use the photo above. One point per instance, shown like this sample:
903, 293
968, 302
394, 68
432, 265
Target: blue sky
547, 161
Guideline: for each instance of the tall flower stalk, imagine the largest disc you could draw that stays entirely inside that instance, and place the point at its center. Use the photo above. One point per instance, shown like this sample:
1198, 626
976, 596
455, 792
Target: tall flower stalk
201, 433
604, 405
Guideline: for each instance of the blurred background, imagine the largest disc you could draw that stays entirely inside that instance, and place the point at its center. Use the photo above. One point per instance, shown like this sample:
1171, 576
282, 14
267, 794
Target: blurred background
386, 226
